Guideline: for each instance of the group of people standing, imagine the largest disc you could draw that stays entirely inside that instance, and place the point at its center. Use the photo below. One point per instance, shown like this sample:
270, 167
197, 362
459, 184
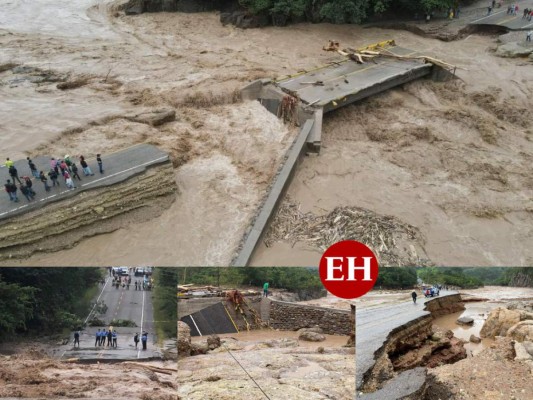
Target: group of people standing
102, 335
65, 168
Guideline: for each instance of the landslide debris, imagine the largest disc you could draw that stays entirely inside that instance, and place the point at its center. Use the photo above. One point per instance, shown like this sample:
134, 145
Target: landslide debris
62, 224
493, 374
32, 374
394, 242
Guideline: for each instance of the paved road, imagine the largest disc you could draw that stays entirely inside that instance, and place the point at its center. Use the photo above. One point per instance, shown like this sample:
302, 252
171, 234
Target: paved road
499, 17
134, 305
118, 167
373, 327
348, 81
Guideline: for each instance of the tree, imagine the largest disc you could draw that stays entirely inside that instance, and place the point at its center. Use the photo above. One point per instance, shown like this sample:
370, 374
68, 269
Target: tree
345, 11
16, 307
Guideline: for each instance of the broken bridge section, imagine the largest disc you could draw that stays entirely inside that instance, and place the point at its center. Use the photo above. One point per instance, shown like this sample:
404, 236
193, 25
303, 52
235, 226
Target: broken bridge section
303, 98
138, 182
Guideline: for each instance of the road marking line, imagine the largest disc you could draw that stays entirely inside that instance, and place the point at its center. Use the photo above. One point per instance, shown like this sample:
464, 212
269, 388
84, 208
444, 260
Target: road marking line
87, 184
97, 300
142, 320
487, 16
507, 20
528, 25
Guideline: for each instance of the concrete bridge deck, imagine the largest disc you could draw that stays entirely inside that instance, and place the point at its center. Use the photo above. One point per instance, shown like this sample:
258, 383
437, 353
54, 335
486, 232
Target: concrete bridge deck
118, 167
345, 82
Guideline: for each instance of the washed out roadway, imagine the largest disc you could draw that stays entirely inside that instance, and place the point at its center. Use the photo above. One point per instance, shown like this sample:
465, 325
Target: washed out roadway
373, 327
499, 17
118, 167
134, 305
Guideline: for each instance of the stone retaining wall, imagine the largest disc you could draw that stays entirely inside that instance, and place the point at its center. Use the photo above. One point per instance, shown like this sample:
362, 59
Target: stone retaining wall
293, 316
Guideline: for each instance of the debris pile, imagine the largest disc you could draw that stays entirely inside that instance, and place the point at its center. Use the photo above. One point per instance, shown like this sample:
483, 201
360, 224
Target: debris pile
393, 241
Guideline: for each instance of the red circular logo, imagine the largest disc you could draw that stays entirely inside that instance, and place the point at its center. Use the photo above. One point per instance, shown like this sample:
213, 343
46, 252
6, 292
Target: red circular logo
348, 269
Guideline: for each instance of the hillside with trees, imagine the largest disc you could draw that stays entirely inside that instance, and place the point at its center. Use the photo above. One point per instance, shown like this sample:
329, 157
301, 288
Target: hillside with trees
44, 300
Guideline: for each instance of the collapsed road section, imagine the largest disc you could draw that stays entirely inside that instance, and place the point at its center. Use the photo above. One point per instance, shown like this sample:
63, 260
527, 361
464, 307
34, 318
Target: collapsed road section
137, 183
304, 98
386, 366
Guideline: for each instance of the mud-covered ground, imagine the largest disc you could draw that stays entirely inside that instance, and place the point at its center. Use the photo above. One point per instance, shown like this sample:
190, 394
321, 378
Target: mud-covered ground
453, 160
278, 362
31, 373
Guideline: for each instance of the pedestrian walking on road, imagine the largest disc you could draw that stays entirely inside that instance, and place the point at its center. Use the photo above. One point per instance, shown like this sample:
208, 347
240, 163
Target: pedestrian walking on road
77, 338
144, 339
68, 180
13, 172
44, 180
98, 337
33, 168
54, 166
136, 337
109, 337
490, 9
11, 190
100, 163
114, 335
413, 295
29, 184
68, 161
265, 289
528, 36
74, 170
8, 163
86, 169
53, 177
26, 192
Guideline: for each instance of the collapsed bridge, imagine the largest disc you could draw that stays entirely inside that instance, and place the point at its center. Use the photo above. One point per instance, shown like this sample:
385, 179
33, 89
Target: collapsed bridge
303, 99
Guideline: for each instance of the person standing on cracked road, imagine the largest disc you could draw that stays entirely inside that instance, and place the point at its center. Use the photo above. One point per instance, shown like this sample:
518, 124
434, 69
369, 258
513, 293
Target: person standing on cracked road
100, 164
77, 338
144, 339
413, 295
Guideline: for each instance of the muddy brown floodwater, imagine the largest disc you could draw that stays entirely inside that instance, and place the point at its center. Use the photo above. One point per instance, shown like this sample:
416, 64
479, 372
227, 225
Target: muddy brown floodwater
454, 160
258, 336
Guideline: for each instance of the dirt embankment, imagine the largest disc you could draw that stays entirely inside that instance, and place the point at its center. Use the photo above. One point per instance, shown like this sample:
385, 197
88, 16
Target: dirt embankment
64, 223
415, 344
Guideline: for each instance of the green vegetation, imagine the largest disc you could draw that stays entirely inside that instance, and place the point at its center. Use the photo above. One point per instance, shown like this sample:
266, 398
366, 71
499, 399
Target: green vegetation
165, 302
396, 278
339, 11
44, 300
128, 323
449, 276
304, 281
